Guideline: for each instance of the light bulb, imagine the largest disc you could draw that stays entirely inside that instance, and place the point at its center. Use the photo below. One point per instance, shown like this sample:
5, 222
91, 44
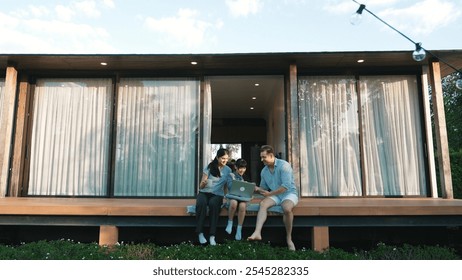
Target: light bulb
356, 18
459, 83
419, 53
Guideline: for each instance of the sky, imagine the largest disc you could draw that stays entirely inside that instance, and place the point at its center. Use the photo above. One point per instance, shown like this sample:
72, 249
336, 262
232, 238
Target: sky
224, 26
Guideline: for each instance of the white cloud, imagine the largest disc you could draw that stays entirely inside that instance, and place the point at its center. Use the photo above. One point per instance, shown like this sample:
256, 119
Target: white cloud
422, 18
109, 3
185, 27
64, 13
342, 6
37, 30
7, 21
88, 7
244, 7
62, 37
39, 11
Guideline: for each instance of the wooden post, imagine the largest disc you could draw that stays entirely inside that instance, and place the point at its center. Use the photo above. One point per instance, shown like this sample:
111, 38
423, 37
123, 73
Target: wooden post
293, 144
320, 238
108, 235
429, 134
440, 131
6, 126
17, 167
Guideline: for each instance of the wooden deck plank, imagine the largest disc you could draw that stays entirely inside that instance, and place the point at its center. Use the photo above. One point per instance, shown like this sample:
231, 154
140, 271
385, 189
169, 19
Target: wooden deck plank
317, 213
177, 207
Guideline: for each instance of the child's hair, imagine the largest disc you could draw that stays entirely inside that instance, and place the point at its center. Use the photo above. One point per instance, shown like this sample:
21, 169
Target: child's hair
232, 165
240, 163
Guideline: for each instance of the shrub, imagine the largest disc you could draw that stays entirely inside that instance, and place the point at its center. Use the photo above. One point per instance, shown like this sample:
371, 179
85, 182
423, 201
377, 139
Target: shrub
408, 252
229, 250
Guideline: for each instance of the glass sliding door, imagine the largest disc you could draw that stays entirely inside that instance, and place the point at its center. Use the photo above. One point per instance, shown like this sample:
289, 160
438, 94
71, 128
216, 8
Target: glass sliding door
391, 126
156, 139
329, 136
69, 152
393, 136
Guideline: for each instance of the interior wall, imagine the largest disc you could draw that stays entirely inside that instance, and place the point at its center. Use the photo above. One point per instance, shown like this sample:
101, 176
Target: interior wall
251, 133
276, 128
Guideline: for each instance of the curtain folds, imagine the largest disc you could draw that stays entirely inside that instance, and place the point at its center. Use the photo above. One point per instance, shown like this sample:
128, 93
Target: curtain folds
207, 125
70, 137
394, 162
157, 126
393, 137
329, 137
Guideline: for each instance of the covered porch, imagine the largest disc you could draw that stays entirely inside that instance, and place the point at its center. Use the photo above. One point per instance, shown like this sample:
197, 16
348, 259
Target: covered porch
314, 214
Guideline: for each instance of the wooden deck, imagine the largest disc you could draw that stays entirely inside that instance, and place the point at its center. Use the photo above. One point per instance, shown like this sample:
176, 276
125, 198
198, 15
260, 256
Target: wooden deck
315, 213
177, 207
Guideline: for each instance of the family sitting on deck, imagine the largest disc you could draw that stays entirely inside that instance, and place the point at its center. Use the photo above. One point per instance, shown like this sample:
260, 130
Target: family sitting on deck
277, 186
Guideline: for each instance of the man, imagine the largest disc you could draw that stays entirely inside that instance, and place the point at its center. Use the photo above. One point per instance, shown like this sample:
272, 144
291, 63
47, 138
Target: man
278, 188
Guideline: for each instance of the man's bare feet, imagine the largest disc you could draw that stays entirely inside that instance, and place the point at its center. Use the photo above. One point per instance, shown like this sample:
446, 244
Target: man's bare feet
254, 237
291, 245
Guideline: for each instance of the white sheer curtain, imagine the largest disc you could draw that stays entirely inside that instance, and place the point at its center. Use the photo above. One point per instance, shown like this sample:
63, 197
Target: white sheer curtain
394, 152
207, 125
70, 137
329, 136
157, 126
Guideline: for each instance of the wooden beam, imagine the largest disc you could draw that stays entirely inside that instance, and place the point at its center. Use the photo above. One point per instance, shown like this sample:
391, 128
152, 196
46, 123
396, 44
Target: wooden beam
293, 142
22, 115
6, 126
428, 132
320, 238
440, 131
108, 235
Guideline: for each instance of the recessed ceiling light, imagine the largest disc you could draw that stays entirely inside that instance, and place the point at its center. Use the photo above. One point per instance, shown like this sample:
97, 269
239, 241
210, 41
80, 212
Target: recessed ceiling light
194, 62
103, 63
251, 108
360, 60
257, 85
254, 97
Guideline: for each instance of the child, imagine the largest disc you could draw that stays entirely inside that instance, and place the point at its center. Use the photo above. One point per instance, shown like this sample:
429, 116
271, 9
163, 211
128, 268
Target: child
234, 204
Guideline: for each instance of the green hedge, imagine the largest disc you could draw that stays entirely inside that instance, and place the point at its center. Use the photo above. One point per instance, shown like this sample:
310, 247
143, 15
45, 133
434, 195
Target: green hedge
230, 250
456, 174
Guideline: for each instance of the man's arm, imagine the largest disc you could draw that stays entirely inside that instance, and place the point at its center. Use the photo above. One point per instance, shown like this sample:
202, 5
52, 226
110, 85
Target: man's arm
266, 193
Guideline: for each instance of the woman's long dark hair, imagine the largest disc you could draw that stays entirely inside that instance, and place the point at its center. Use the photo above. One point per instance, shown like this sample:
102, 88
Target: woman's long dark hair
213, 166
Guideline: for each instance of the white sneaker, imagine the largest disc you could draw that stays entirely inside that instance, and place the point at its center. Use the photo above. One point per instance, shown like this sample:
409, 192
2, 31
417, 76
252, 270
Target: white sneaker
212, 240
202, 239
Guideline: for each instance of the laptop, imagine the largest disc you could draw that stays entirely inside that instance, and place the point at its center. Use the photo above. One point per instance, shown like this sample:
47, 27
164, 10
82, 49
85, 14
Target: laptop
241, 190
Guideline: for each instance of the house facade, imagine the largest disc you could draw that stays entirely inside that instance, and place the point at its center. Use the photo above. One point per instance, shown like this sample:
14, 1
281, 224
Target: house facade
139, 126
352, 124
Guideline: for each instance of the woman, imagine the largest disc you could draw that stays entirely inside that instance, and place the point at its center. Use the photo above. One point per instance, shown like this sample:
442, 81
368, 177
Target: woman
211, 192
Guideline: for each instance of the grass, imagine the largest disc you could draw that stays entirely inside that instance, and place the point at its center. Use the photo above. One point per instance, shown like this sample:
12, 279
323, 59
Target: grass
230, 250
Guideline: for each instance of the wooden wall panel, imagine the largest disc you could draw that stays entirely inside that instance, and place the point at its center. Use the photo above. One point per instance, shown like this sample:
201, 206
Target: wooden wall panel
6, 127
440, 131
19, 150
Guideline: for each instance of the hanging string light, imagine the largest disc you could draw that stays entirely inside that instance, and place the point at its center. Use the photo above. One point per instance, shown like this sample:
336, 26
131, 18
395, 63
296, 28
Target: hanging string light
418, 55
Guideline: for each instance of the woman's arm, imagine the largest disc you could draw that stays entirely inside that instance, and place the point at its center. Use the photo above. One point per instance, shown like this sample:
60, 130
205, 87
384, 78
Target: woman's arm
203, 182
